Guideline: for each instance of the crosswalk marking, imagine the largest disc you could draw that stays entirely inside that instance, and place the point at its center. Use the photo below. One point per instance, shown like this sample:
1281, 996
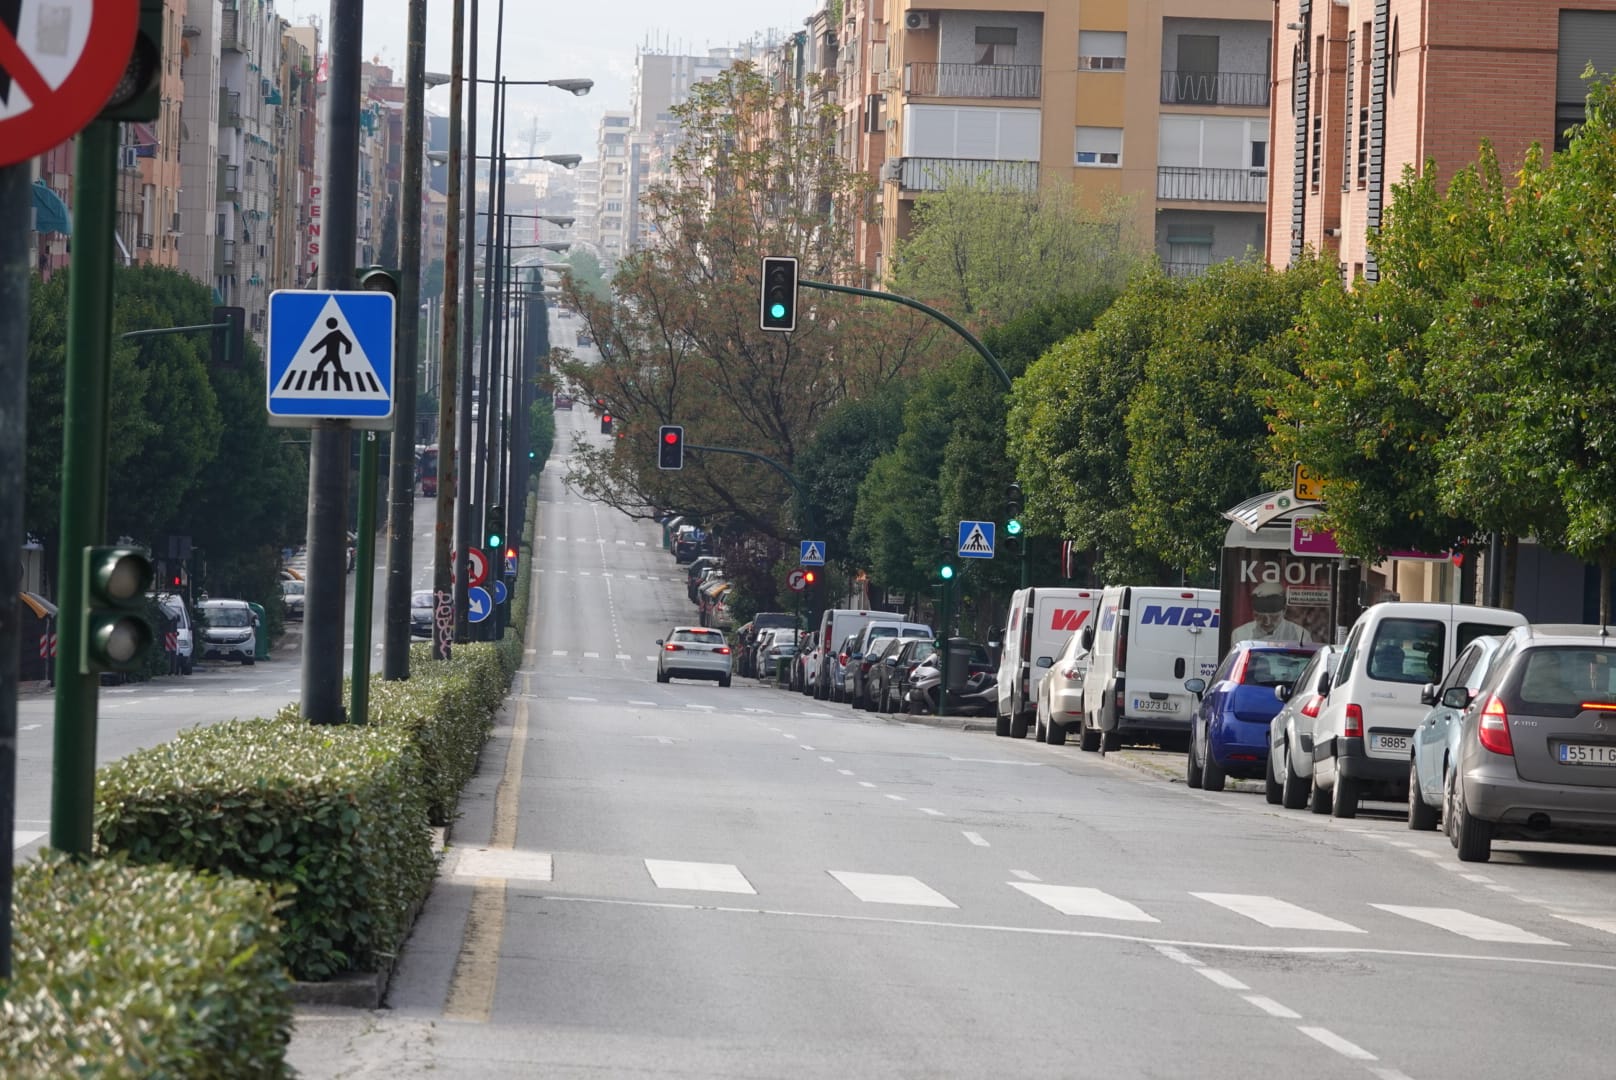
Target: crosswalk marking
624, 656
1279, 914
558, 652
591, 656
1080, 900
891, 889
20, 838
699, 876
1467, 925
1592, 923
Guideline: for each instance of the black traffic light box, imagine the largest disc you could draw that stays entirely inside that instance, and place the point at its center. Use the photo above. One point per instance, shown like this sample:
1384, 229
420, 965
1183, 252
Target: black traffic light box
605, 423
229, 340
671, 447
138, 94
116, 635
1013, 528
496, 530
778, 302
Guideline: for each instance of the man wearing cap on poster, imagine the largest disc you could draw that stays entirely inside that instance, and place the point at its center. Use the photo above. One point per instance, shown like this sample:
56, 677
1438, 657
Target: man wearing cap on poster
1268, 621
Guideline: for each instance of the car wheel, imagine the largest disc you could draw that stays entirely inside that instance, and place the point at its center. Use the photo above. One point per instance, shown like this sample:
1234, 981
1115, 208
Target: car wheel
1089, 740
661, 676
1040, 733
1109, 741
1055, 732
1192, 767
723, 680
1001, 726
1472, 838
1318, 799
1273, 791
1212, 774
1421, 816
1344, 796
247, 661
1295, 793
186, 666
1018, 726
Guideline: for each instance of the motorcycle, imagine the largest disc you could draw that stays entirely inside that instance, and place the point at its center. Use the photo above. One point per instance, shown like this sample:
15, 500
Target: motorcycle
979, 696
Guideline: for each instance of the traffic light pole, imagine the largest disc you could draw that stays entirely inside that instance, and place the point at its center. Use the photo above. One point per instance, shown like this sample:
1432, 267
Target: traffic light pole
448, 589
364, 579
467, 527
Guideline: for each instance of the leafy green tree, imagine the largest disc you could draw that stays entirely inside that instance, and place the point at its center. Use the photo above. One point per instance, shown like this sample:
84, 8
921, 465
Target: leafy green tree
853, 435
591, 279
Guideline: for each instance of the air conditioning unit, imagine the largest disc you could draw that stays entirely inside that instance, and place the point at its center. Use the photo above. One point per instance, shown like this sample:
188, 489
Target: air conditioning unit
917, 20
891, 169
131, 157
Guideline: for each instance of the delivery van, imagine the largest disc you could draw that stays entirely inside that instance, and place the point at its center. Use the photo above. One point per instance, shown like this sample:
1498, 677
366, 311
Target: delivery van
836, 625
1040, 622
1143, 643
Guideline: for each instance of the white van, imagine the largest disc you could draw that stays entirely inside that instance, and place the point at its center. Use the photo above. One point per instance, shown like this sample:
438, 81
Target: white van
1144, 642
1363, 736
174, 607
1039, 624
836, 625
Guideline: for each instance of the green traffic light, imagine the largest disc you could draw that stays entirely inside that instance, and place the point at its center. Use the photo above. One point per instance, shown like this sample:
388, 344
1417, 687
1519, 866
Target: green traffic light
1013, 527
946, 573
777, 310
494, 540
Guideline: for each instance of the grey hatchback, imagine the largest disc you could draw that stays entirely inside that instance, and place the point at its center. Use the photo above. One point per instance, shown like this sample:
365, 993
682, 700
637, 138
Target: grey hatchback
1537, 756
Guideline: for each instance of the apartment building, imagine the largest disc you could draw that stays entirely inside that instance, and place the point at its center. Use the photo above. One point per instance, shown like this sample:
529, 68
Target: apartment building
1164, 102
860, 72
1365, 88
149, 173
611, 151
586, 206
298, 149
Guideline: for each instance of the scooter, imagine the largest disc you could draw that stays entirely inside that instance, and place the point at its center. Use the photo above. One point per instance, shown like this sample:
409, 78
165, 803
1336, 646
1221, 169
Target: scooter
978, 697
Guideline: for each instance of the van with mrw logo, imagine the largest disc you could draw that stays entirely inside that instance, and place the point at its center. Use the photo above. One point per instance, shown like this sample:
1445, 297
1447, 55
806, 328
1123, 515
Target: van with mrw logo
1143, 644
1039, 623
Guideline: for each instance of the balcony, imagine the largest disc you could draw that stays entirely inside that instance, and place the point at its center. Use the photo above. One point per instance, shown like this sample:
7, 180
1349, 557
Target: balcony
1185, 269
1248, 89
145, 240
1191, 183
230, 31
224, 257
229, 181
935, 174
974, 80
229, 108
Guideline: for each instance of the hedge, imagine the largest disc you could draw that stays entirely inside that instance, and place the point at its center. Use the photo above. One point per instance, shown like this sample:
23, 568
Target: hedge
132, 971
338, 812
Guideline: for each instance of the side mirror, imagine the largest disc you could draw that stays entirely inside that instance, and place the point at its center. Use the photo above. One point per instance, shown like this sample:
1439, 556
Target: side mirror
659, 641
1195, 686
1457, 697
1088, 638
1282, 692
1428, 694
1324, 685
1045, 661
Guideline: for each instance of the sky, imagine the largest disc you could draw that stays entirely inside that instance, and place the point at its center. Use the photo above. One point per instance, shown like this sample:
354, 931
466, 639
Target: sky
590, 39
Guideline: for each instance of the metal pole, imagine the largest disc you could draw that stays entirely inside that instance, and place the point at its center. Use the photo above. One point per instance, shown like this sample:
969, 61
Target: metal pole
84, 480
16, 204
443, 574
364, 577
942, 661
401, 490
465, 528
323, 627
491, 271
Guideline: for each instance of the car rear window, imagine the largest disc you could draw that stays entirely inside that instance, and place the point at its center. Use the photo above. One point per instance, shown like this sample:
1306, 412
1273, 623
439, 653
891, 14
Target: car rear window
916, 632
705, 637
1273, 667
1466, 632
1407, 651
1557, 679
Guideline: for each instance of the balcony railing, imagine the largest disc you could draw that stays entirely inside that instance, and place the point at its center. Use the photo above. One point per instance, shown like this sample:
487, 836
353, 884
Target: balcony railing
1185, 269
229, 30
229, 108
973, 80
1249, 88
935, 174
1195, 184
145, 240
229, 180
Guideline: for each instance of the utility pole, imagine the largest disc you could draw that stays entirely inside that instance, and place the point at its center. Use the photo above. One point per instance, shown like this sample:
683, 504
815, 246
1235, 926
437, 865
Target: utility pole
447, 589
329, 440
465, 533
401, 491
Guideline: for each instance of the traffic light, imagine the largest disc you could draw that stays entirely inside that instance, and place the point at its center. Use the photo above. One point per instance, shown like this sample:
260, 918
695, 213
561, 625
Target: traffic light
671, 447
137, 96
946, 572
378, 279
778, 302
605, 423
600, 403
1012, 525
116, 635
496, 527
229, 348
809, 576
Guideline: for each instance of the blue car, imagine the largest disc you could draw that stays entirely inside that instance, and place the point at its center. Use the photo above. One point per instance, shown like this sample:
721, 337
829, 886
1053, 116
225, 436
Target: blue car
1229, 731
1436, 740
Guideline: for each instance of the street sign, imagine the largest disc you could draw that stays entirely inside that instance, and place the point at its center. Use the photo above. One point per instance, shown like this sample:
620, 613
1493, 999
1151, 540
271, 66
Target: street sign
60, 60
477, 566
976, 539
500, 592
796, 581
813, 553
478, 604
330, 358
510, 564
1306, 485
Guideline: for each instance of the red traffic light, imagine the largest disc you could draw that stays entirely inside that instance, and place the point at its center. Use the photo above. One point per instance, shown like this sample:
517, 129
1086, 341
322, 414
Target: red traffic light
606, 419
809, 577
670, 437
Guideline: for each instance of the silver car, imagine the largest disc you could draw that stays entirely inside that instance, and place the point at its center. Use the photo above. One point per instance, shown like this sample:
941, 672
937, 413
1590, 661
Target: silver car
1290, 733
693, 652
1060, 692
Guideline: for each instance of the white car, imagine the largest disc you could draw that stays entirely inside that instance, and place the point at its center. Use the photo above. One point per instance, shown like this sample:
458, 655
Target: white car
693, 652
1290, 734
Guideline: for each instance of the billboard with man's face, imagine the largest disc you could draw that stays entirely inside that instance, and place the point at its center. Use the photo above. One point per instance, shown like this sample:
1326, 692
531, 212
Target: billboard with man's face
1269, 594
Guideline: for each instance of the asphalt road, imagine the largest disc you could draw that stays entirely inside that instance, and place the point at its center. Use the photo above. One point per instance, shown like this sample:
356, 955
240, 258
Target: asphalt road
145, 714
683, 880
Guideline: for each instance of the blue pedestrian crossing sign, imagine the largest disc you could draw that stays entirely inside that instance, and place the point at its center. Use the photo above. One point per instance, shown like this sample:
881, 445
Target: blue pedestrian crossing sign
478, 603
976, 539
330, 357
813, 553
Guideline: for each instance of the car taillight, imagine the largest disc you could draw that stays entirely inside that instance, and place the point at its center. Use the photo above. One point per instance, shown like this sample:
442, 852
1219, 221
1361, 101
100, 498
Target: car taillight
1070, 673
1354, 725
864, 667
724, 650
1494, 728
1312, 706
671, 647
841, 658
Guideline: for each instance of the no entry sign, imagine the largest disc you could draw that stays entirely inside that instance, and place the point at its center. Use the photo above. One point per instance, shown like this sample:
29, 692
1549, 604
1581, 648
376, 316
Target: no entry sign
59, 62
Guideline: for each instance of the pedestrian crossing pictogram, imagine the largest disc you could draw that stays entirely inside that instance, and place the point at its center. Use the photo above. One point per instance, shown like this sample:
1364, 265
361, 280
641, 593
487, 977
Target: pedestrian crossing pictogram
330, 356
812, 554
976, 539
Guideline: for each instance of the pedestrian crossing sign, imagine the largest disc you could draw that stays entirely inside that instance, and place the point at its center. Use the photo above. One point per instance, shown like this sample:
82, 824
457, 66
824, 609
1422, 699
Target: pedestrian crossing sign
813, 553
976, 539
330, 357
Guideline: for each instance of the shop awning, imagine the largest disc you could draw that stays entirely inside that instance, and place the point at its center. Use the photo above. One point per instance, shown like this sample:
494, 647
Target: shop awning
50, 212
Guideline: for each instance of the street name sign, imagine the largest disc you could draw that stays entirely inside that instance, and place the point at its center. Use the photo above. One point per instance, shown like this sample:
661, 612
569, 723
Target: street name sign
976, 539
330, 358
813, 553
60, 61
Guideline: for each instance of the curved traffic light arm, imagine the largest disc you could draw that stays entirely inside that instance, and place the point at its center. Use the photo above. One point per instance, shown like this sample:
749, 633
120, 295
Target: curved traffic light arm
802, 496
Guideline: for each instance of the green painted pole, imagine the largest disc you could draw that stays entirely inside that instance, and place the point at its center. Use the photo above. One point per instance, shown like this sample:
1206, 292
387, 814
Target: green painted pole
364, 579
84, 480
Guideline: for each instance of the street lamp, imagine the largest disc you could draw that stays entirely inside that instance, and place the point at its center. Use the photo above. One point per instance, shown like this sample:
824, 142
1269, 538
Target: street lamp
438, 157
576, 87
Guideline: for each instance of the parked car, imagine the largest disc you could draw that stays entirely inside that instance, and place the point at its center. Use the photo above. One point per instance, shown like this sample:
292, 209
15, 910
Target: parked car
422, 608
229, 630
292, 599
695, 572
1436, 740
1537, 753
839, 625
883, 659
1229, 731
835, 669
778, 645
175, 611
564, 401
748, 638
864, 647
1060, 692
693, 652
1290, 734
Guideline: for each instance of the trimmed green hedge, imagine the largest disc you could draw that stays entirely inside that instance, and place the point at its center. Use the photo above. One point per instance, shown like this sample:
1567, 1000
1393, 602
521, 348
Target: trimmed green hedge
338, 812
130, 971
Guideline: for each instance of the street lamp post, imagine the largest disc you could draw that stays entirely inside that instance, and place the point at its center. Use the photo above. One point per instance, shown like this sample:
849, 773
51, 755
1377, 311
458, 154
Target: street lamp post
444, 582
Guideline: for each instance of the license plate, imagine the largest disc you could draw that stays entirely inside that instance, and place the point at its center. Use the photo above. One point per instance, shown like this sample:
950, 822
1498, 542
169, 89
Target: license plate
1155, 706
1390, 744
1574, 754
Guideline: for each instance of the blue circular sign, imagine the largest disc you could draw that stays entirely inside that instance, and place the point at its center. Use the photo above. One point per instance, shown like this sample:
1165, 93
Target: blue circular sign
479, 605
500, 592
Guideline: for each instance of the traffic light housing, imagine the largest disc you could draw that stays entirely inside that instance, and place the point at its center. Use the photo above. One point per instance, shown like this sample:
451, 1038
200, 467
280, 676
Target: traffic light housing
778, 300
809, 576
1013, 527
229, 340
605, 423
116, 634
946, 571
378, 279
671, 447
496, 528
138, 94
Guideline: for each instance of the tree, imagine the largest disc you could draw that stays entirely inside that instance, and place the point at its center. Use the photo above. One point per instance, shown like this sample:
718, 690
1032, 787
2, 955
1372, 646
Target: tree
586, 269
853, 435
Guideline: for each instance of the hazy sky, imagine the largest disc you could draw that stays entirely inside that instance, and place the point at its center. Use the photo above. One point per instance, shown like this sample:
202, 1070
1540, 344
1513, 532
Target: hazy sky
594, 39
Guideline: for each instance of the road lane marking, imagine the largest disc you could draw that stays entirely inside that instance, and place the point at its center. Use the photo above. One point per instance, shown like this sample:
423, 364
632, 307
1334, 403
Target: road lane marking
1177, 956
976, 838
697, 705
1272, 1007
1025, 876
818, 715
1337, 1043
180, 690
1475, 927
588, 700
558, 652
591, 656
931, 812
1606, 925
1222, 978
845, 772
827, 760
897, 798
891, 889
783, 735
865, 783
1081, 900
1279, 914
652, 704
624, 656
805, 746
698, 876
507, 864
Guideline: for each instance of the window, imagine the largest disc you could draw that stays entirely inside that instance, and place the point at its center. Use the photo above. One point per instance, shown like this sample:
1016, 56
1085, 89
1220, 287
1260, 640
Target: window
1189, 250
1259, 154
995, 44
1407, 650
1102, 50
1099, 146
